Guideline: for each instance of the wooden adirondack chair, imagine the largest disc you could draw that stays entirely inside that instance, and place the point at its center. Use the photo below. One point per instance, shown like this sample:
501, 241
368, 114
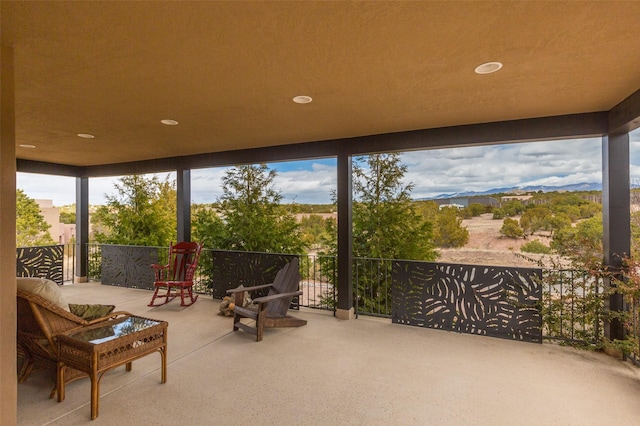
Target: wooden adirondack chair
271, 310
176, 277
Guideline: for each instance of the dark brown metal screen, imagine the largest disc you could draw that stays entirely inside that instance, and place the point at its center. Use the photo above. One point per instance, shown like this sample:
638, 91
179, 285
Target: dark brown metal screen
485, 300
41, 262
128, 266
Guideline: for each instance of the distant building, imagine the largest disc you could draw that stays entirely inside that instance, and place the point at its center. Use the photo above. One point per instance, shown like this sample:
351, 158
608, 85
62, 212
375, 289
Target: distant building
594, 198
61, 233
466, 201
524, 199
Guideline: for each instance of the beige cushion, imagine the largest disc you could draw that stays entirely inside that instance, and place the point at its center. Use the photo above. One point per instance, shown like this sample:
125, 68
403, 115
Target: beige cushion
44, 288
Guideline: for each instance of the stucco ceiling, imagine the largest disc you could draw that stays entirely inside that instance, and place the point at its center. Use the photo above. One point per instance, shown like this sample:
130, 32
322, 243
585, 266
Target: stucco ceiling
227, 71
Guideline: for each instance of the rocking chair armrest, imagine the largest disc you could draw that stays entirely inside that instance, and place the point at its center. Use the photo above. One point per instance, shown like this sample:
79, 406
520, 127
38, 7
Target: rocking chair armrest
161, 271
265, 299
241, 289
158, 266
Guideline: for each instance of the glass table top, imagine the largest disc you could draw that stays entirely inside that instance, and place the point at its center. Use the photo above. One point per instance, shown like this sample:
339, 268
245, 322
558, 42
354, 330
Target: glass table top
114, 329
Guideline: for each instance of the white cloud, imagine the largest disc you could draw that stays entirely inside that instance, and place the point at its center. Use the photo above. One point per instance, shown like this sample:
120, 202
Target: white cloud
206, 184
501, 166
307, 186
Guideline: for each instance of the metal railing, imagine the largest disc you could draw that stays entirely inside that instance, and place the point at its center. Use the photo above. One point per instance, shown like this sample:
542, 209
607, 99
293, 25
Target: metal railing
572, 305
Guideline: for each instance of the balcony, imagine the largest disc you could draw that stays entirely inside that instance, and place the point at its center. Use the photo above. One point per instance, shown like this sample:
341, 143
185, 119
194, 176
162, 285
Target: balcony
365, 371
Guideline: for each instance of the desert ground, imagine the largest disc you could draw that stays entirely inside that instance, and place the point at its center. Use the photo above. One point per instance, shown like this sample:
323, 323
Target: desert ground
487, 247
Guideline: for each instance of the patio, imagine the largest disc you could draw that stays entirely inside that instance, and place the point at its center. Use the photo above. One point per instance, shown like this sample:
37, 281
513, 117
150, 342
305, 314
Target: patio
365, 371
88, 89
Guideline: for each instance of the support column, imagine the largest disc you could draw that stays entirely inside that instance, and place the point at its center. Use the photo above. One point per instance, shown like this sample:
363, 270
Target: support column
82, 230
616, 217
8, 380
345, 238
183, 201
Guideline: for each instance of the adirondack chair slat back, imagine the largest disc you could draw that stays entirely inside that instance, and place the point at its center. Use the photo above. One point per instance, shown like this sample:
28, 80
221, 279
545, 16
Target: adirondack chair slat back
288, 282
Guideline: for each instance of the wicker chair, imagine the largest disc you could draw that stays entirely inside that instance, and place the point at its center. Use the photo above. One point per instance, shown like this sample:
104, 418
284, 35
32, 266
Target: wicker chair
39, 322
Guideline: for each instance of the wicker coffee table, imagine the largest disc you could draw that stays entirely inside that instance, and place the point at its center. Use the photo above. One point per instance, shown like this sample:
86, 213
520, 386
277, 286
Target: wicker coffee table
97, 349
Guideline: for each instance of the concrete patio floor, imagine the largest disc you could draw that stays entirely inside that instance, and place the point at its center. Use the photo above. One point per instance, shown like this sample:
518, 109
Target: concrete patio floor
361, 372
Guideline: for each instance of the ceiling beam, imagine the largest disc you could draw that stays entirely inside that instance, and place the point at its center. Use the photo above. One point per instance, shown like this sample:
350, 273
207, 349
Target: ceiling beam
535, 129
625, 117
41, 167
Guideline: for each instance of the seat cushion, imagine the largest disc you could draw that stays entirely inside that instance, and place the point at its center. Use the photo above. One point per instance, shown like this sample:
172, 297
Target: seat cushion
44, 288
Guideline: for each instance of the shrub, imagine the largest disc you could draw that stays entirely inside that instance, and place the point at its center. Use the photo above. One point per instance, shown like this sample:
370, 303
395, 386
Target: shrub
511, 229
535, 246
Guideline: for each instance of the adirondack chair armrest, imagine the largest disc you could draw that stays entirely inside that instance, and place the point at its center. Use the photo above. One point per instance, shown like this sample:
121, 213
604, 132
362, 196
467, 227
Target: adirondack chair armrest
252, 288
265, 299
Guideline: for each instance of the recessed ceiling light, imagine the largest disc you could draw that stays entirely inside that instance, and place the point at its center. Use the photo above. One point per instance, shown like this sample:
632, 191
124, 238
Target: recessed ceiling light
86, 135
169, 122
24, 145
302, 99
488, 67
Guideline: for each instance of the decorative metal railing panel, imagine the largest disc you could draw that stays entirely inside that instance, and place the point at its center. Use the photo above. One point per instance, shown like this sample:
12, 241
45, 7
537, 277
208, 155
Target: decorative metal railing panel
42, 262
486, 300
128, 266
234, 268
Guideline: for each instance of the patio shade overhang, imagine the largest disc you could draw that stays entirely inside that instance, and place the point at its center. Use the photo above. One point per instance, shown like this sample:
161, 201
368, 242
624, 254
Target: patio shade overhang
382, 75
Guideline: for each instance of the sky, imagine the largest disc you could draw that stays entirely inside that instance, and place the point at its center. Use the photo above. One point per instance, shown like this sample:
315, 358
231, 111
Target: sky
432, 172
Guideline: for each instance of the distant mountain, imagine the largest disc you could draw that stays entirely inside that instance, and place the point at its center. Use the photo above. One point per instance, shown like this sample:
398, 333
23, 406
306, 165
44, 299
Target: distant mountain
584, 186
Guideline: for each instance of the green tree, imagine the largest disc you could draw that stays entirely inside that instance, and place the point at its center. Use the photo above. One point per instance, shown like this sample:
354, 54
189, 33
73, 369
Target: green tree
590, 210
535, 246
386, 225
511, 229
582, 244
385, 221
559, 221
449, 231
512, 208
476, 209
253, 217
68, 214
535, 219
143, 212
207, 227
31, 228
313, 228
499, 214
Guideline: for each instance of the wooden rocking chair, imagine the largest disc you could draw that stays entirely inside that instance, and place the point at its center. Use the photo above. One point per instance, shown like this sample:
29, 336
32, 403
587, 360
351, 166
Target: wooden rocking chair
177, 274
271, 310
